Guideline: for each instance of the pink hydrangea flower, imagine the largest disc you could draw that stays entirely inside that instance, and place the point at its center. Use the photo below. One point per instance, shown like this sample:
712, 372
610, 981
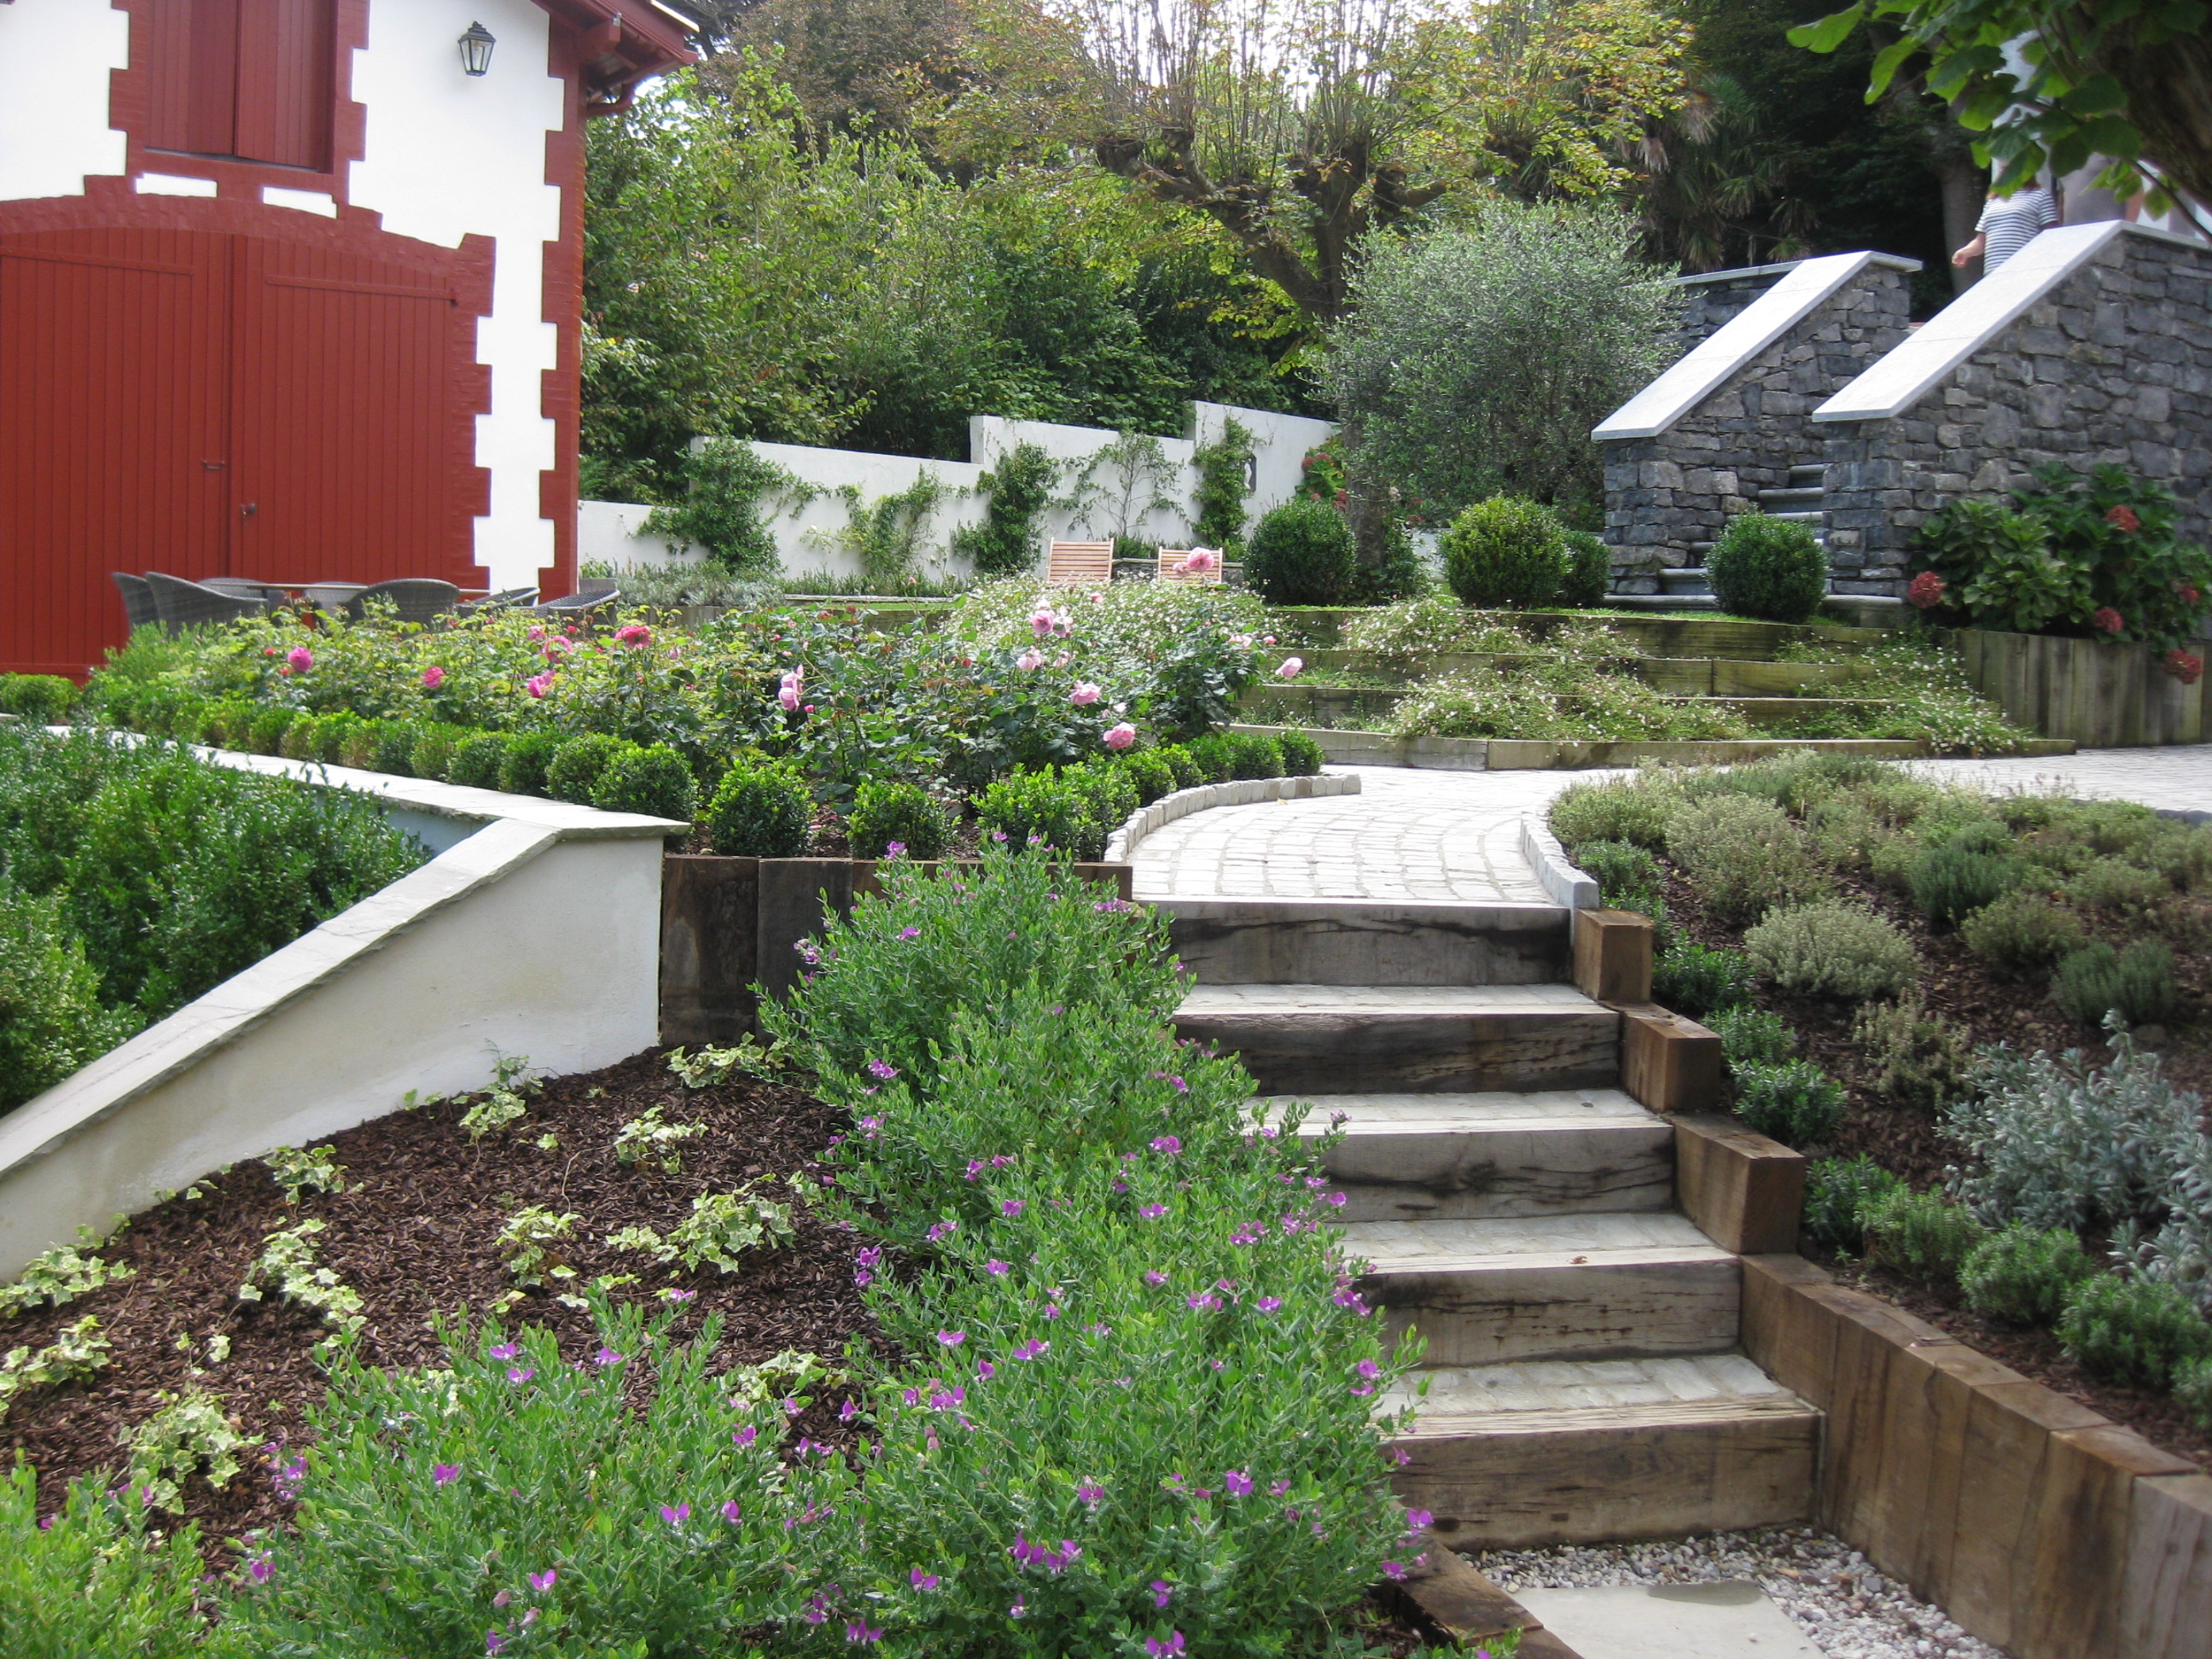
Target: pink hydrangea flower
2107, 620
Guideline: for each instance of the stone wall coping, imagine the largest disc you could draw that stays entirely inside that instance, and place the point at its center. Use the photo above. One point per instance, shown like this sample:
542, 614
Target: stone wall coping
1724, 353
1900, 379
1698, 278
1555, 871
1237, 792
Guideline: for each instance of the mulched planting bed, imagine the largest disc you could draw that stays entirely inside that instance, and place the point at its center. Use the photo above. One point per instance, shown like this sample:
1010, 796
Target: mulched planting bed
1905, 1139
415, 1233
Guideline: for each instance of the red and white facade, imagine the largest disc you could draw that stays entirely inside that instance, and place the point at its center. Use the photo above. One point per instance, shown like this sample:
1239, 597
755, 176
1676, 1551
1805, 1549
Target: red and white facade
285, 293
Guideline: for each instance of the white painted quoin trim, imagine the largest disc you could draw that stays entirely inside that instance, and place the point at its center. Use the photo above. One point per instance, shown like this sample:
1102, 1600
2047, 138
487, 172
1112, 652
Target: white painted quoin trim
447, 157
1716, 360
1900, 379
420, 988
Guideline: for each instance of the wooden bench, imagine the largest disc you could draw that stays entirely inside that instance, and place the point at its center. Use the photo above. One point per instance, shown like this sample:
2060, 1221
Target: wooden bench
1080, 563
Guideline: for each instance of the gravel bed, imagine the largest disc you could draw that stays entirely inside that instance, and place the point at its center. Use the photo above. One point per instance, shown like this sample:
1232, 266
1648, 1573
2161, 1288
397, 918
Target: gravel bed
1846, 1608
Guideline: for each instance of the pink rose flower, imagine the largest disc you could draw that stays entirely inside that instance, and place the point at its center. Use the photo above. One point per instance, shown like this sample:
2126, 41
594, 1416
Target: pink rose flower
1029, 660
1291, 668
538, 684
1201, 559
301, 658
1084, 694
634, 634
433, 678
1041, 622
1121, 736
788, 696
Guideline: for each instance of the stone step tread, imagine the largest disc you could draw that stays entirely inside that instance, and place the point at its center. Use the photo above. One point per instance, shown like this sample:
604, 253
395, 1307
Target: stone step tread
1793, 492
1493, 1396
1599, 1239
1465, 1114
1339, 1001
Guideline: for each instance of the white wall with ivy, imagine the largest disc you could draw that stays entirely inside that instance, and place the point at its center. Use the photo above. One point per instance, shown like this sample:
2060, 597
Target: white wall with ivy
851, 509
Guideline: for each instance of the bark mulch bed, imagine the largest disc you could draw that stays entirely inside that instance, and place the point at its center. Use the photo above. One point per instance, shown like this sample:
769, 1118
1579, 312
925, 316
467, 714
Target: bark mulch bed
1906, 1140
415, 1233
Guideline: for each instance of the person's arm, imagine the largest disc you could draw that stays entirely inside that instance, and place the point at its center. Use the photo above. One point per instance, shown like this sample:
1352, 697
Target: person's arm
1973, 250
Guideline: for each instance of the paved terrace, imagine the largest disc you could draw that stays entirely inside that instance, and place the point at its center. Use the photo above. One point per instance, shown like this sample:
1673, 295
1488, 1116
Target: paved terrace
1417, 835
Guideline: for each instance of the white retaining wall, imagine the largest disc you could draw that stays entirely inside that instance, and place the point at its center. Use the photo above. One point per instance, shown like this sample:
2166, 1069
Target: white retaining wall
806, 539
536, 932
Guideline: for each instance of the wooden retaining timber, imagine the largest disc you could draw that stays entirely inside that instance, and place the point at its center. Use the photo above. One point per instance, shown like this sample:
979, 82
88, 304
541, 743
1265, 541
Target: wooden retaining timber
2099, 692
728, 924
2034, 1523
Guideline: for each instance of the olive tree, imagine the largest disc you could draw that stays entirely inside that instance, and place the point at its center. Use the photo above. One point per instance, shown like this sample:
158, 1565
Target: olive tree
1477, 359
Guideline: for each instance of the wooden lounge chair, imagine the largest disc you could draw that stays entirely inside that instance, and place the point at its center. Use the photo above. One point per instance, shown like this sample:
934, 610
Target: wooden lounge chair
1080, 563
181, 604
418, 599
1173, 568
139, 610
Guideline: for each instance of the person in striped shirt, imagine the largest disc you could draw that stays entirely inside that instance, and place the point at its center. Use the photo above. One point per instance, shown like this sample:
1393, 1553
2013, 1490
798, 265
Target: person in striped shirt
2008, 224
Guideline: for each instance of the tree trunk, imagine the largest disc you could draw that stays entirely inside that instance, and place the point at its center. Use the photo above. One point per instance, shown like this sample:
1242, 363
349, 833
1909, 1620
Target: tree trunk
2169, 88
1965, 186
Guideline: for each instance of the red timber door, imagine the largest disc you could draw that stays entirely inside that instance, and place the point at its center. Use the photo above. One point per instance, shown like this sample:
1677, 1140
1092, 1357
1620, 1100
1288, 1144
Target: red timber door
112, 440
346, 427
212, 405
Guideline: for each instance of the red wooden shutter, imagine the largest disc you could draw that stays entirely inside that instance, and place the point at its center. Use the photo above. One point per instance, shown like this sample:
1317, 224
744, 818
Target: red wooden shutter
111, 347
248, 78
284, 82
192, 66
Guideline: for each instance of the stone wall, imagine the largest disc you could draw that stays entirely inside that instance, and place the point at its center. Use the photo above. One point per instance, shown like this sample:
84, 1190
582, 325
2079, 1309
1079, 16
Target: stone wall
2114, 365
1716, 297
1668, 496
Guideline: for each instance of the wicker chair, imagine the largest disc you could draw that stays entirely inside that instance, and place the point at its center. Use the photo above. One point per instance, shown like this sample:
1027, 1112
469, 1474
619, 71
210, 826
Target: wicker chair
181, 604
418, 599
508, 600
139, 610
239, 588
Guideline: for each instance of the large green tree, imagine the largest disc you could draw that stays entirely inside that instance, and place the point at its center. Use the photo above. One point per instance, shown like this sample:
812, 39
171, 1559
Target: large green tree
2053, 83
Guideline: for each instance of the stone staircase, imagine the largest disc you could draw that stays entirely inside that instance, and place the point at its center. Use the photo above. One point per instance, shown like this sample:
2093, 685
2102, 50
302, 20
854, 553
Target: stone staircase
1686, 588
1517, 1207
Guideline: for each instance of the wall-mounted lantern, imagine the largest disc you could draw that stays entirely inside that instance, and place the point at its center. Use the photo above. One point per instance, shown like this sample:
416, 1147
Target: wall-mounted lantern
476, 50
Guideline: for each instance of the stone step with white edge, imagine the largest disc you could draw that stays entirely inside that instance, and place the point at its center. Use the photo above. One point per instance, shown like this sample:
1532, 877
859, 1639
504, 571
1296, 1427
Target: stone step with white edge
1524, 1454
1466, 1156
1369, 942
1604, 1286
1343, 1039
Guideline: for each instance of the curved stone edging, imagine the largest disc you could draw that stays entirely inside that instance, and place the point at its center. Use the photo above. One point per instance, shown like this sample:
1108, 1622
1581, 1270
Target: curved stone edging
1238, 791
1554, 869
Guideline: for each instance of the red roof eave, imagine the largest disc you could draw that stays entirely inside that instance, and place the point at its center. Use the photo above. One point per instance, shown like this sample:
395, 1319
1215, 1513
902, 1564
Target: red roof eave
637, 38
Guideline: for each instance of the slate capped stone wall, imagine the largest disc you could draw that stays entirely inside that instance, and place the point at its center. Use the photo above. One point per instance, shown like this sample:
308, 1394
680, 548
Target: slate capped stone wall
1668, 497
2114, 365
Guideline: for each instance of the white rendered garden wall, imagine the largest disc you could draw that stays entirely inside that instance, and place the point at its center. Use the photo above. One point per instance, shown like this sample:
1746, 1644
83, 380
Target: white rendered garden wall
609, 532
535, 930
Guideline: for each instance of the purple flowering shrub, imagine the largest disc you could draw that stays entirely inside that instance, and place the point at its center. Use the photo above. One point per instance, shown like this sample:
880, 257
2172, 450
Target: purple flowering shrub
1139, 1409
101, 1580
621, 1501
887, 983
